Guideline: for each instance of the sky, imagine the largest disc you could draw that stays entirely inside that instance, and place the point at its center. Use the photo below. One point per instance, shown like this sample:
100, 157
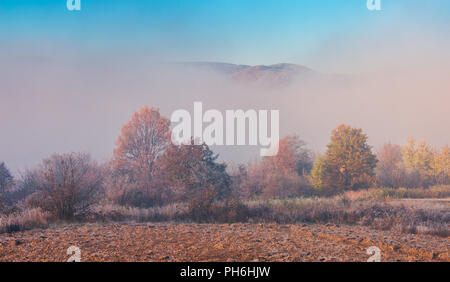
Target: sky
69, 80
244, 32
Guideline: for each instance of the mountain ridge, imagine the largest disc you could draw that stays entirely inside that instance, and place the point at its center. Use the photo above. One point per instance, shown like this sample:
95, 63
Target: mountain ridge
280, 73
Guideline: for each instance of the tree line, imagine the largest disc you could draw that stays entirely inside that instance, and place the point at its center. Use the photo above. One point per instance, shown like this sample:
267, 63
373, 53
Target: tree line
147, 170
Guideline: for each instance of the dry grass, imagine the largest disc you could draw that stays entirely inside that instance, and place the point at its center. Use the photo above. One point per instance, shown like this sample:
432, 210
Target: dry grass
422, 217
27, 219
113, 212
435, 192
382, 209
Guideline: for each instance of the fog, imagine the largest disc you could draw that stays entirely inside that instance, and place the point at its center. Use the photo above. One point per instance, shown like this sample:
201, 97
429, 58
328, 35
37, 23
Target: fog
56, 102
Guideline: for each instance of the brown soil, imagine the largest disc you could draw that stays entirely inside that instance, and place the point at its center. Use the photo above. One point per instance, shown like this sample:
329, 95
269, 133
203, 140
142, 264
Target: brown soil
219, 242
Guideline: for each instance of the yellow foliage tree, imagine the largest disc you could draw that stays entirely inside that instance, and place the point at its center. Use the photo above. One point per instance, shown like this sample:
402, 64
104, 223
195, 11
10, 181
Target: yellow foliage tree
432, 165
440, 166
348, 162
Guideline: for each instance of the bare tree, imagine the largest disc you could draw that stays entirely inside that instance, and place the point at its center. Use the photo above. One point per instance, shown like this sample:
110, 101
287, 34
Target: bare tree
66, 185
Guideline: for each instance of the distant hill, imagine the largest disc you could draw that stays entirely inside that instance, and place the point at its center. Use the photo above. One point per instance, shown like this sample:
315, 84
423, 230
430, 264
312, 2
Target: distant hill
261, 74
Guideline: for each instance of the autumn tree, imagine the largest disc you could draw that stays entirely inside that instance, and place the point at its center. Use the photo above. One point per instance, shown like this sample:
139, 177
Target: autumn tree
279, 176
318, 173
239, 175
441, 166
193, 169
418, 159
139, 148
196, 177
6, 178
252, 180
413, 165
292, 156
6, 181
66, 185
143, 140
418, 156
348, 162
390, 168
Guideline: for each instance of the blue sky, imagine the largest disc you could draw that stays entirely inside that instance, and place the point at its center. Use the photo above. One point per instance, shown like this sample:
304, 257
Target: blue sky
244, 31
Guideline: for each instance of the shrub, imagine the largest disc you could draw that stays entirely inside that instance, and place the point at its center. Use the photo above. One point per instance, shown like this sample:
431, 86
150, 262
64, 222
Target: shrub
66, 185
285, 185
121, 190
205, 209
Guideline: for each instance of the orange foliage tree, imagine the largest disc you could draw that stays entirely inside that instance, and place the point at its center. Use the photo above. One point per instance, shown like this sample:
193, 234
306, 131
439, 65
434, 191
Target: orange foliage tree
143, 140
278, 176
292, 156
137, 154
193, 169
